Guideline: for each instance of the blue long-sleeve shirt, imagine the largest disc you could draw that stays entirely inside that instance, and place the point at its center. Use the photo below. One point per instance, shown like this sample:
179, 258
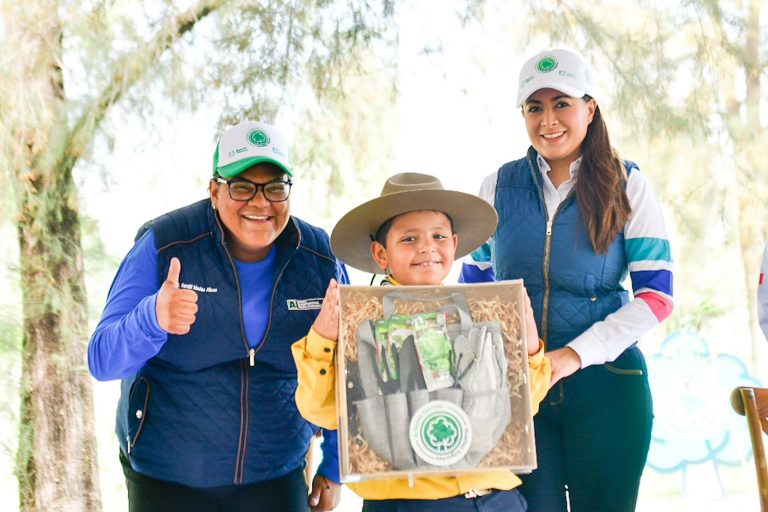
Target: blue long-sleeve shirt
128, 334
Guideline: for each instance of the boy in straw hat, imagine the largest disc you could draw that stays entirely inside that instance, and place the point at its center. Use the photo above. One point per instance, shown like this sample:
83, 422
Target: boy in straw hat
413, 232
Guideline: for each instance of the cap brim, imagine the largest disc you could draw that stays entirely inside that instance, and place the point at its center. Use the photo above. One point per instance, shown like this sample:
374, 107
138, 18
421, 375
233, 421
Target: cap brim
474, 221
235, 168
558, 86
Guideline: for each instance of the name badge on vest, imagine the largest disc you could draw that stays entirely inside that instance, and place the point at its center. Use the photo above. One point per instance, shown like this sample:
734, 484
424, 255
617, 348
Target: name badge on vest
198, 288
304, 304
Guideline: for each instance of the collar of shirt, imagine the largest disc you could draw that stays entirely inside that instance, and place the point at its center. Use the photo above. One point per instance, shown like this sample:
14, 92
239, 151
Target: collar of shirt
554, 196
391, 281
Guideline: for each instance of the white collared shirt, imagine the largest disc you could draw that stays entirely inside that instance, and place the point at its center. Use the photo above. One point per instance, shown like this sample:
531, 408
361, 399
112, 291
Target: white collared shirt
554, 196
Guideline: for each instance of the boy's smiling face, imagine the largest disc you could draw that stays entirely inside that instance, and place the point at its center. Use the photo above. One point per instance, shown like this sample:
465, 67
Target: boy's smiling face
420, 248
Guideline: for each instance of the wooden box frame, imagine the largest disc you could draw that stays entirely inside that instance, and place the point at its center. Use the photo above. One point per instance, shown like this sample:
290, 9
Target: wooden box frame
499, 301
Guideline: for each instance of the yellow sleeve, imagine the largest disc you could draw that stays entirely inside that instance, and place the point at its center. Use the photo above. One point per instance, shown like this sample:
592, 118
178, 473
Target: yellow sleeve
539, 377
316, 393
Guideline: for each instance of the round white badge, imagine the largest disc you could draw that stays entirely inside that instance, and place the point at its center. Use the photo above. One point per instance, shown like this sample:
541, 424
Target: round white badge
440, 433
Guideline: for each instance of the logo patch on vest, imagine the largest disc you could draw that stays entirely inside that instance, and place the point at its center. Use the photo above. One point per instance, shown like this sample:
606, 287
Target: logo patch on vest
304, 304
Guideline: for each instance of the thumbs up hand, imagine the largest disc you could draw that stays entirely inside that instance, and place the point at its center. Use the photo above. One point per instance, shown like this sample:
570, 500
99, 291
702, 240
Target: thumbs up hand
175, 308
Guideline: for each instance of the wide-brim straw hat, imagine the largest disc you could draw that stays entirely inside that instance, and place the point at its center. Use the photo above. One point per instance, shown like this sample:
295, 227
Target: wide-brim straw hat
474, 220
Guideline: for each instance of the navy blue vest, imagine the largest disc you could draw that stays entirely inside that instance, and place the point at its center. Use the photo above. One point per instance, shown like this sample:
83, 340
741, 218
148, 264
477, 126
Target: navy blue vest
584, 287
198, 413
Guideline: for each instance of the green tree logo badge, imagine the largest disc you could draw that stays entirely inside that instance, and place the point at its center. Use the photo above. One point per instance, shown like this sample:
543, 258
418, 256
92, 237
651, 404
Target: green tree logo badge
258, 138
546, 64
441, 433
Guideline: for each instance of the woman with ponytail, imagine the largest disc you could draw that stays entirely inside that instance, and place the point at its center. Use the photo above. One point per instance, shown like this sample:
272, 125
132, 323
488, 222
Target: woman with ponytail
574, 221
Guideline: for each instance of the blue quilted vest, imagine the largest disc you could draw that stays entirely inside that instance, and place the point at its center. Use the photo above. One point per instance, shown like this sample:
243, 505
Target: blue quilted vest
571, 287
205, 411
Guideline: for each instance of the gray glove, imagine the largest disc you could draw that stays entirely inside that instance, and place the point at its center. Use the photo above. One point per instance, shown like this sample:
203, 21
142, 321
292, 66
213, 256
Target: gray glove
483, 380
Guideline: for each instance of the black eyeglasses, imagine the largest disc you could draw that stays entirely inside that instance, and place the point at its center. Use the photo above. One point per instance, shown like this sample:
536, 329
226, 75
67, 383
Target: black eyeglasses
241, 189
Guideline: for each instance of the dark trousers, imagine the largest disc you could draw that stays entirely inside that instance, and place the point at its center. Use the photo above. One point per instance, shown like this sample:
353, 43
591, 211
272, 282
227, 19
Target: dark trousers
497, 501
284, 494
593, 431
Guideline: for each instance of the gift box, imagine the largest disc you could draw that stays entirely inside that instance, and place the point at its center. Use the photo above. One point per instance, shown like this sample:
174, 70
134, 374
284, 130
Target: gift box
433, 380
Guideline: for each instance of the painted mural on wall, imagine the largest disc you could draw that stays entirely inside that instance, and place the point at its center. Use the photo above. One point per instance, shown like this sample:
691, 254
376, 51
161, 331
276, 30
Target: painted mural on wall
694, 422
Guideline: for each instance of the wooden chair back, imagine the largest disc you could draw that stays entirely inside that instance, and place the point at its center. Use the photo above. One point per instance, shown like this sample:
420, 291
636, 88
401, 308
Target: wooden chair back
753, 404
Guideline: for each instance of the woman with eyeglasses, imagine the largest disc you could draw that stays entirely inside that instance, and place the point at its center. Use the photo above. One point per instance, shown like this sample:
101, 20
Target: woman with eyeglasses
199, 323
575, 220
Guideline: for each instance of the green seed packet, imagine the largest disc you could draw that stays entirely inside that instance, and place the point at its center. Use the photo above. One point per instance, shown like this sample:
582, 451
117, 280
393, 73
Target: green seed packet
433, 347
399, 328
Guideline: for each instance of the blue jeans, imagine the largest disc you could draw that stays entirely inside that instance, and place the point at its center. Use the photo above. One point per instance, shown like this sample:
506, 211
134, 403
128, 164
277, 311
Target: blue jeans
497, 501
593, 431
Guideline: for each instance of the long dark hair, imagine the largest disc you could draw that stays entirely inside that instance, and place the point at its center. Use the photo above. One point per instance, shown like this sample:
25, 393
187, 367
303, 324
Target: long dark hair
601, 186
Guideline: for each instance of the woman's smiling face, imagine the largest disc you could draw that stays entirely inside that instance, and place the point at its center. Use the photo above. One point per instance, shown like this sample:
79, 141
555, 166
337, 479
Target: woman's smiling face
557, 124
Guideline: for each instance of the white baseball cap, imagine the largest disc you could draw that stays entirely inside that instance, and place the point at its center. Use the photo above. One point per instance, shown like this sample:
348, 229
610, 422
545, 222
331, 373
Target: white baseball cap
248, 144
559, 69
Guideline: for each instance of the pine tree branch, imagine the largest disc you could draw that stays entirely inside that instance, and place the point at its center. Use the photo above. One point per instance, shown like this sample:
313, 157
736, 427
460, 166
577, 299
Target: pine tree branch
129, 69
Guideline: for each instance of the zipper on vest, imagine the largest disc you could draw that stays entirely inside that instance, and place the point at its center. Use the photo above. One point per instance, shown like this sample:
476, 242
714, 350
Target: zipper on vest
278, 278
536, 175
238, 477
239, 291
547, 255
545, 303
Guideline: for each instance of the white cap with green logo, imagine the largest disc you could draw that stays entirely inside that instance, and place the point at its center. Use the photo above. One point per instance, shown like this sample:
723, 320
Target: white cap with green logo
559, 69
247, 144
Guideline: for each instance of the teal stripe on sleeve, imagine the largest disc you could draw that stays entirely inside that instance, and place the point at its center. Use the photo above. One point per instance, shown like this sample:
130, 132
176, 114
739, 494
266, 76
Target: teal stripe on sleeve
648, 249
482, 254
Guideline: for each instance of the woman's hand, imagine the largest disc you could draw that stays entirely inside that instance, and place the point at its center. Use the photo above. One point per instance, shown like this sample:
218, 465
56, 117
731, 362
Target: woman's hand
327, 321
565, 362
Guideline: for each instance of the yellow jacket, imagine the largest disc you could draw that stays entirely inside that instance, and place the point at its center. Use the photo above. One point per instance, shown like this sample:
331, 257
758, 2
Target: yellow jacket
316, 400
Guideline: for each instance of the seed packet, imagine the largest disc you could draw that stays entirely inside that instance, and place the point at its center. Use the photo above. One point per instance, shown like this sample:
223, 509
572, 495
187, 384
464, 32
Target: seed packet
399, 328
433, 347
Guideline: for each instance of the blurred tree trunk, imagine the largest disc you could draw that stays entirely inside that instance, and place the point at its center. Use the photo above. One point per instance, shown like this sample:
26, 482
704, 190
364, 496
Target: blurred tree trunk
750, 156
56, 461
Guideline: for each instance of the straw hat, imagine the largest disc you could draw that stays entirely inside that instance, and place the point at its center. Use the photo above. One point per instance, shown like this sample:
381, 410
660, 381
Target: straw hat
474, 220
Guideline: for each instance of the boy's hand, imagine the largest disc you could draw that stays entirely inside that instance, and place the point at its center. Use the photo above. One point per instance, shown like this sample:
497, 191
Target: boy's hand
175, 308
530, 327
327, 321
325, 494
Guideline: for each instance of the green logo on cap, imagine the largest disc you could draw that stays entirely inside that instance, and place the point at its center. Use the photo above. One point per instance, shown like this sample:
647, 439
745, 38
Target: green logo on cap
258, 138
546, 64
